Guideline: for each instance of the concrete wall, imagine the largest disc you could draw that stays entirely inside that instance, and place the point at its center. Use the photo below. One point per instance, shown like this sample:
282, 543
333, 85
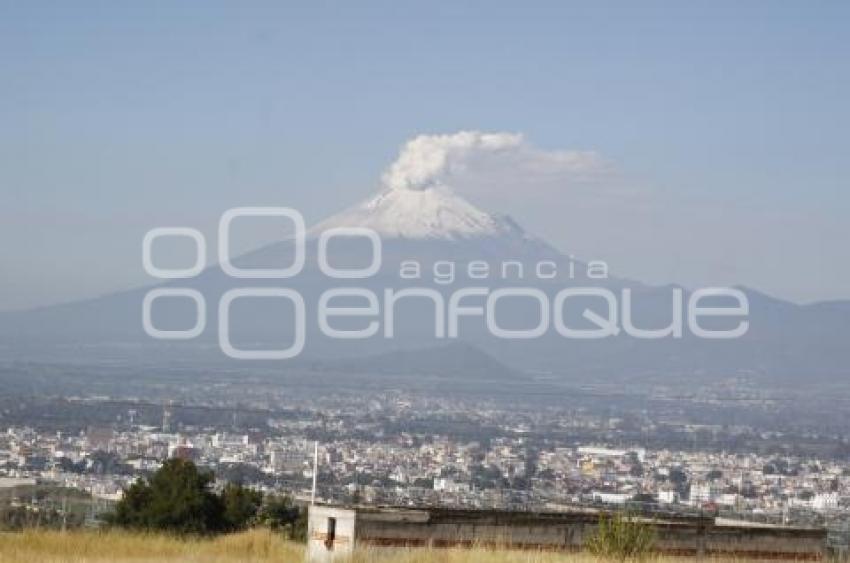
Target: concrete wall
768, 543
390, 528
474, 528
319, 547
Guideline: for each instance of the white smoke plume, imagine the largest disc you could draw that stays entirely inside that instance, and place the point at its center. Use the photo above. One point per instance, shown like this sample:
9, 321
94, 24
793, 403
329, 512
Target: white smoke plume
428, 161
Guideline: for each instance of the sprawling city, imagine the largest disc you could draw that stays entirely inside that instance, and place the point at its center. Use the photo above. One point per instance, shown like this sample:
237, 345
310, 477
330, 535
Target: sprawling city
774, 459
457, 454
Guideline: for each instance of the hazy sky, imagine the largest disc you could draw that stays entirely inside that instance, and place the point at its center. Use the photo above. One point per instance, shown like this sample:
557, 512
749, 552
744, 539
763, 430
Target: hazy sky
723, 125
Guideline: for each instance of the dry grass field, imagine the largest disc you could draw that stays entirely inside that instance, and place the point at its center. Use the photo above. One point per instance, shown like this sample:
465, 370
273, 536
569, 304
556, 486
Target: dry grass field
255, 546
259, 546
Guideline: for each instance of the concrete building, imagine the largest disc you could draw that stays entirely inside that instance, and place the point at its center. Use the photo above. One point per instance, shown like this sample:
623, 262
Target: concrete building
825, 501
334, 532
668, 496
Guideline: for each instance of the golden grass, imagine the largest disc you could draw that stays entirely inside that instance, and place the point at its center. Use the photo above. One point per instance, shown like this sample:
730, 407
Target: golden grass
260, 546
254, 546
468, 556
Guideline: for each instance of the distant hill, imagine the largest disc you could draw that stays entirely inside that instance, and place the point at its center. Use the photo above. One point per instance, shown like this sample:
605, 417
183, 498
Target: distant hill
456, 359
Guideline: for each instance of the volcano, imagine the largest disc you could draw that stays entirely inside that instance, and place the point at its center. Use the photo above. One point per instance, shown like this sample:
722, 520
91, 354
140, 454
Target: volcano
438, 230
436, 213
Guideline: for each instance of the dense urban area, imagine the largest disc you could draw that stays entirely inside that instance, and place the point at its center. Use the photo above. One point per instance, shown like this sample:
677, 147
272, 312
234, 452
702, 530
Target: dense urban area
66, 459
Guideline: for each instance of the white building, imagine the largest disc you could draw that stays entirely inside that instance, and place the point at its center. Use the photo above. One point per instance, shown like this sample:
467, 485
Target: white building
825, 501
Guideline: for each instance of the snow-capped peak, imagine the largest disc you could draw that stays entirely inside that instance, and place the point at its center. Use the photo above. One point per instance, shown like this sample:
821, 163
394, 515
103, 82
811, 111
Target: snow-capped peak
433, 213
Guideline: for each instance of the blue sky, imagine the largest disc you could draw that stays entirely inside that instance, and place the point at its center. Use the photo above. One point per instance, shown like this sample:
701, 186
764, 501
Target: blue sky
116, 117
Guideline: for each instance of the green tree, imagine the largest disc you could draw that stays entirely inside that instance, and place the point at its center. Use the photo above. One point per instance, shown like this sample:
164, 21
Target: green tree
176, 498
281, 514
240, 506
132, 509
298, 529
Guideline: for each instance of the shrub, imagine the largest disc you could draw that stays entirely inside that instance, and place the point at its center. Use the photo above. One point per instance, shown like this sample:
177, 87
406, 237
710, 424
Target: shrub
280, 514
620, 537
